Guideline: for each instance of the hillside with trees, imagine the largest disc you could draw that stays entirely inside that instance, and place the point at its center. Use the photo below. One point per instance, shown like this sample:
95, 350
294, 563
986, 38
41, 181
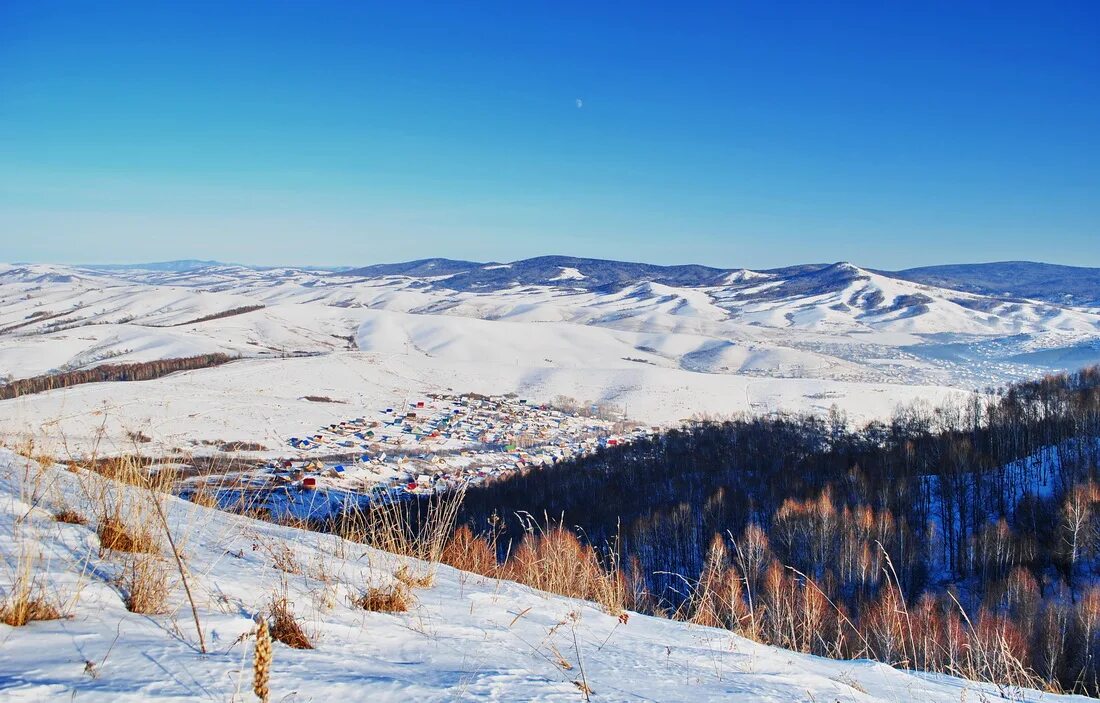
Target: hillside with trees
963, 539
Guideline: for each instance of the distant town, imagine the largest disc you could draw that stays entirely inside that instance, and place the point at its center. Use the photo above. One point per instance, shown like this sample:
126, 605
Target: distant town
436, 444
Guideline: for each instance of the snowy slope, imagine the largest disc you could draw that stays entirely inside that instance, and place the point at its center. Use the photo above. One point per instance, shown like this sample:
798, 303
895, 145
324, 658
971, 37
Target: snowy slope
465, 637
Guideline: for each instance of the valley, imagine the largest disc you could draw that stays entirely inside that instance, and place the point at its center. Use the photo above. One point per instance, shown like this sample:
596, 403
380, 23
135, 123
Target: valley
660, 344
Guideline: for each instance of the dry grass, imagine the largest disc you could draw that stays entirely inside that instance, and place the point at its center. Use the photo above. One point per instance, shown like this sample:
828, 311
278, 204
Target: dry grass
204, 496
26, 603
284, 626
554, 560
26, 600
69, 516
115, 535
411, 580
466, 551
135, 471
414, 529
22, 609
283, 558
394, 599
145, 586
134, 521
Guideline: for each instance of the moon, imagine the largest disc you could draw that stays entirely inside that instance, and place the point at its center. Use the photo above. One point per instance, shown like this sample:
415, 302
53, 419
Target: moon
580, 103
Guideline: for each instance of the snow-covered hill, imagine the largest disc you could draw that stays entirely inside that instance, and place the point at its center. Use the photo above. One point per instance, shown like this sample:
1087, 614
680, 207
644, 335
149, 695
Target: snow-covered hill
465, 637
713, 340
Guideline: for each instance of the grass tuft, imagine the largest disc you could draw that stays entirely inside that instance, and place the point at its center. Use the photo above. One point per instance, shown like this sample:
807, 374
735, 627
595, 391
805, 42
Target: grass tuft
394, 599
145, 586
284, 626
27, 605
117, 536
69, 516
411, 580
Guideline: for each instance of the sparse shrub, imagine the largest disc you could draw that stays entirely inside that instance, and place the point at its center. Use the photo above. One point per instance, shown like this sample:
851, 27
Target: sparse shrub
554, 560
284, 559
137, 471
239, 446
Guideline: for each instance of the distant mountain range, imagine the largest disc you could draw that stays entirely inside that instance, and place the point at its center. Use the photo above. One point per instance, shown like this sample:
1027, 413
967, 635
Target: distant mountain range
1064, 285
177, 265
828, 321
1072, 285
185, 265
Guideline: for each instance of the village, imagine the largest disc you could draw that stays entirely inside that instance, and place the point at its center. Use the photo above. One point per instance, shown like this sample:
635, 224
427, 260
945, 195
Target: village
427, 446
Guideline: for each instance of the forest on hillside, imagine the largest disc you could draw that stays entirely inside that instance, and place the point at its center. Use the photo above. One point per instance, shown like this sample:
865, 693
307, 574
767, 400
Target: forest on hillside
135, 371
959, 538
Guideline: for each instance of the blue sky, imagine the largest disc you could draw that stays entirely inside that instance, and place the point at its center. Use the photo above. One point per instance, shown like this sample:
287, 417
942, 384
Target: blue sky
732, 134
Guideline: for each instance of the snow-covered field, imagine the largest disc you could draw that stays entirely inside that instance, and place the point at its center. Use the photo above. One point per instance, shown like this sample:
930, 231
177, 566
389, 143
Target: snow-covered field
464, 638
742, 341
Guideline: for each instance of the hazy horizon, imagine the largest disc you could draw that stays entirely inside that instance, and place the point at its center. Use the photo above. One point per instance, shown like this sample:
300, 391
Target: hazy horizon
332, 266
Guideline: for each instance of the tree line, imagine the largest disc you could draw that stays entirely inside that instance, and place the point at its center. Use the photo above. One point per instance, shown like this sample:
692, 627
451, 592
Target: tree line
962, 538
137, 371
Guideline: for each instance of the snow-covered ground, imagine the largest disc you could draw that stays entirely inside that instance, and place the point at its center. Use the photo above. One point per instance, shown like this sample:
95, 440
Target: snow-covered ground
464, 638
744, 342
264, 400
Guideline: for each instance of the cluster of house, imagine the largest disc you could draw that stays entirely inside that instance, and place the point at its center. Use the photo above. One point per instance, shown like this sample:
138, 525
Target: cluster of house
436, 444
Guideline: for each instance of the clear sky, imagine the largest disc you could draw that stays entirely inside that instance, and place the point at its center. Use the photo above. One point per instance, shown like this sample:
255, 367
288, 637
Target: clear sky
756, 134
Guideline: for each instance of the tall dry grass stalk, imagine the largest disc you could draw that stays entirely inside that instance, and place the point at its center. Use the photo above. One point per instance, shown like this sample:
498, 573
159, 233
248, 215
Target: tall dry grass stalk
414, 529
127, 493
